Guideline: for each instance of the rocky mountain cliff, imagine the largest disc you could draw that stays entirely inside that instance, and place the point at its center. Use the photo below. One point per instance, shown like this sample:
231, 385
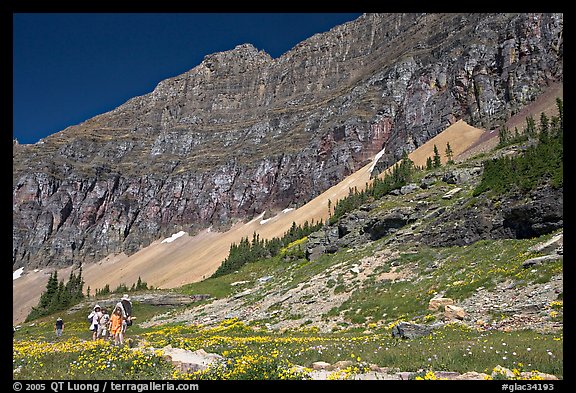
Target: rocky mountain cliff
242, 133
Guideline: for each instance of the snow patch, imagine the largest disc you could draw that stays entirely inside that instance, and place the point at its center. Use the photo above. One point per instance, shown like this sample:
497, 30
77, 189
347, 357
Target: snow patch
257, 218
174, 237
17, 273
287, 210
262, 222
378, 156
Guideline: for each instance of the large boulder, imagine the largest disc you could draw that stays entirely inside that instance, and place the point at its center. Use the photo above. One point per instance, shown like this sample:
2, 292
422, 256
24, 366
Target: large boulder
409, 330
409, 188
461, 175
452, 313
322, 366
190, 361
438, 303
541, 260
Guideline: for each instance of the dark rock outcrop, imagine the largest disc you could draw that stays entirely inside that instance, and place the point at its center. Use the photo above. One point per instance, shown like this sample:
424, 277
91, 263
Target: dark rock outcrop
242, 132
542, 214
514, 216
322, 242
381, 225
357, 228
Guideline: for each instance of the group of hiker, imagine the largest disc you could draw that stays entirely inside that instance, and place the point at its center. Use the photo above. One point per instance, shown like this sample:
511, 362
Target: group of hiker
105, 326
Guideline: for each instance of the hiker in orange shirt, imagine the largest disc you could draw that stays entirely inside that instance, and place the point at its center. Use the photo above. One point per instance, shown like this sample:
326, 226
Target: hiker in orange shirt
116, 326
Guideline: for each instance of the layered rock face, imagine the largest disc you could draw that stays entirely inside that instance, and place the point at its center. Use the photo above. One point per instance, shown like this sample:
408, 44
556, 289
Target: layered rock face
242, 133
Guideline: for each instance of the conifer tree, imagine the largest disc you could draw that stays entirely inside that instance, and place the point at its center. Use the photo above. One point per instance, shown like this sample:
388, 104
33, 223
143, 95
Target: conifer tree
449, 153
560, 106
51, 290
544, 128
530, 129
503, 135
436, 159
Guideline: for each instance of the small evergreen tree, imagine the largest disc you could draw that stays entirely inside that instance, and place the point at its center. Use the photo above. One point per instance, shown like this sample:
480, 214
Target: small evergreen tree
436, 159
544, 128
429, 164
449, 153
503, 136
530, 129
51, 290
560, 107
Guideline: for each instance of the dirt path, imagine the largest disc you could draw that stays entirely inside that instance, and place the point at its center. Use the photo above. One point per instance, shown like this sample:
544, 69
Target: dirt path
190, 259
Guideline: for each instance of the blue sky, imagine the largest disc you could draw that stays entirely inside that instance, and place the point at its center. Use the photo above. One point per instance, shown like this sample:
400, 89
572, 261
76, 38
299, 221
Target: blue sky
70, 67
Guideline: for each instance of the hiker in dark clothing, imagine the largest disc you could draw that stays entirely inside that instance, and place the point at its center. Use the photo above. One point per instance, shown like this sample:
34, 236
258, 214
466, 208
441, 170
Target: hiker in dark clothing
59, 327
126, 306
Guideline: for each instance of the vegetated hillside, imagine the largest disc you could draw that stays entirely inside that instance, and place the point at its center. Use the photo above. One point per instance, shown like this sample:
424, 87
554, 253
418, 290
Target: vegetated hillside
242, 133
444, 276
450, 232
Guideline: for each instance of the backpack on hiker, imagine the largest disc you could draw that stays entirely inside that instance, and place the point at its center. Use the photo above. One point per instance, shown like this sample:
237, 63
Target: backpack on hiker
127, 305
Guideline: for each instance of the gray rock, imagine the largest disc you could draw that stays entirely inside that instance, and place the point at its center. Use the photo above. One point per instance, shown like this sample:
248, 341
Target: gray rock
544, 213
540, 260
446, 374
321, 242
428, 180
472, 376
409, 188
351, 222
405, 375
461, 175
554, 243
242, 294
451, 193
